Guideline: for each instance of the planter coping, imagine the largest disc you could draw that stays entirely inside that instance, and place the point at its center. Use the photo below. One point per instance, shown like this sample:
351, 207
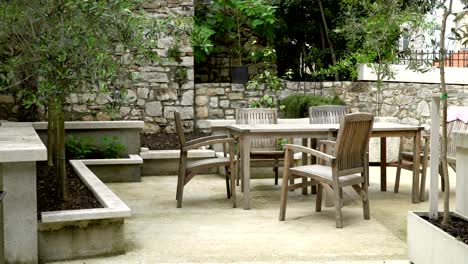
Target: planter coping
460, 139
222, 123
113, 206
133, 159
21, 145
175, 154
81, 124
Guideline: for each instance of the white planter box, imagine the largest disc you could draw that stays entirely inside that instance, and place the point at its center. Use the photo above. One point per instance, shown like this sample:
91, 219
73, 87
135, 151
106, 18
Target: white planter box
427, 244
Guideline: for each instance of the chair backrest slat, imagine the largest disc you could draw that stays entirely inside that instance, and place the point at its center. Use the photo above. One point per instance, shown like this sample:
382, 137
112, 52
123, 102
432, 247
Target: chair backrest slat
255, 116
353, 141
179, 129
327, 114
452, 126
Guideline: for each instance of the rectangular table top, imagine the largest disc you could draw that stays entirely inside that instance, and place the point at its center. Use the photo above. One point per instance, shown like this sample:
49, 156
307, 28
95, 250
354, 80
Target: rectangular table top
290, 128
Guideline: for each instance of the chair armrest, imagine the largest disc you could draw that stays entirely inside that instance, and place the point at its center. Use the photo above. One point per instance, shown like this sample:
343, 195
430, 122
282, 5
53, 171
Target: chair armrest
208, 142
202, 139
330, 143
310, 151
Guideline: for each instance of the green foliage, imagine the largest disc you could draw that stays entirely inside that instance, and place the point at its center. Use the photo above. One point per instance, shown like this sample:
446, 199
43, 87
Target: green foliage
281, 143
297, 105
111, 147
85, 148
49, 49
80, 148
230, 26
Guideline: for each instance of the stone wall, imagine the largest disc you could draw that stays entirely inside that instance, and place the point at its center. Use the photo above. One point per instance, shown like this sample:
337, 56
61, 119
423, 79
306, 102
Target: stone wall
158, 90
409, 102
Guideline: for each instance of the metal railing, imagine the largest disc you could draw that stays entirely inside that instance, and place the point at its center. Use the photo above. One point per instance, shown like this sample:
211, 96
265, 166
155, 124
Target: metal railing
452, 58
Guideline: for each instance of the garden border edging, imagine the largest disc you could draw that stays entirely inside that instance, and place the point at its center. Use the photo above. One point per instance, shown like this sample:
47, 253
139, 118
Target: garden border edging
72, 234
428, 244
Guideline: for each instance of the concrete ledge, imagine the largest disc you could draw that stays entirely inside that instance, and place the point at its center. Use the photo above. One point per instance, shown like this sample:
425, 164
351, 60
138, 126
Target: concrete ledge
175, 154
113, 206
20, 145
116, 170
133, 159
80, 124
166, 162
127, 132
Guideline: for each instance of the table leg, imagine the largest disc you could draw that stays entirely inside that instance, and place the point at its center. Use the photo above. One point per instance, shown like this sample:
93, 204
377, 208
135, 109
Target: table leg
304, 162
245, 167
383, 164
313, 160
416, 159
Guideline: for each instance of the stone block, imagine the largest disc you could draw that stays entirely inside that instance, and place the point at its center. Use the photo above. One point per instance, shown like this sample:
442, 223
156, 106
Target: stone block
202, 112
187, 98
143, 93
236, 96
201, 100
224, 103
214, 102
153, 108
185, 112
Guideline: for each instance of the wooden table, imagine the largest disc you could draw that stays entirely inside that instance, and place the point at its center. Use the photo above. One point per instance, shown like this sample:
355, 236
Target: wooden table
380, 129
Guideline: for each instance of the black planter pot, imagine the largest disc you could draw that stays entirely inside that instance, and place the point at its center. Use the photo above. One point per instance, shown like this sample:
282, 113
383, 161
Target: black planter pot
240, 74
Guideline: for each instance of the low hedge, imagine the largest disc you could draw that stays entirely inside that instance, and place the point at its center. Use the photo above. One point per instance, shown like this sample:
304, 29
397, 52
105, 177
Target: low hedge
297, 105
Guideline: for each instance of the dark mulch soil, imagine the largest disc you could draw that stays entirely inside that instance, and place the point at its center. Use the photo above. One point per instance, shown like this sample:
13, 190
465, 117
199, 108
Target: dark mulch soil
160, 141
79, 196
457, 227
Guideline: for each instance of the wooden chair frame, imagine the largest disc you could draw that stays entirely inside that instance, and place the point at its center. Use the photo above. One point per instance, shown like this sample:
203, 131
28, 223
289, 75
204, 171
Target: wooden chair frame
187, 170
261, 148
348, 166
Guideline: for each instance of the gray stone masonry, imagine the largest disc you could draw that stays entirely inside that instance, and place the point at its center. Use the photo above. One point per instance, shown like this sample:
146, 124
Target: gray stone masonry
408, 102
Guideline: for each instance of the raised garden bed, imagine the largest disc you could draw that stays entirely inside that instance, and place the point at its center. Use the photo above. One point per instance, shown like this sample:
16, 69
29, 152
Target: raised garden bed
428, 244
163, 141
71, 234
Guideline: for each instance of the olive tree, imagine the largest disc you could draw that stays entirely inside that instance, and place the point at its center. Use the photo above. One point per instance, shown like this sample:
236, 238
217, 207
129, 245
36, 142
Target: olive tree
51, 48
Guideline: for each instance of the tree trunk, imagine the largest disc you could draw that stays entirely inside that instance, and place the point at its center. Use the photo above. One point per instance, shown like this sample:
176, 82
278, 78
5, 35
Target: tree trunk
330, 44
50, 134
443, 88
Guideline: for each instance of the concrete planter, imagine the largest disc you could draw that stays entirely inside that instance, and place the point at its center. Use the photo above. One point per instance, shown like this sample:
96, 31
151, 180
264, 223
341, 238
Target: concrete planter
427, 244
128, 132
116, 170
73, 234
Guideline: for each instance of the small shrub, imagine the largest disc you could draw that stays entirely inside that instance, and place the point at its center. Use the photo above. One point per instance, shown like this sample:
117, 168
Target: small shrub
111, 147
297, 105
79, 148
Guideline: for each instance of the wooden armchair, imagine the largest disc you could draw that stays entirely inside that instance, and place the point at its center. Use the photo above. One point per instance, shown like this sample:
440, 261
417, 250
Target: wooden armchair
405, 159
327, 114
261, 148
187, 170
348, 166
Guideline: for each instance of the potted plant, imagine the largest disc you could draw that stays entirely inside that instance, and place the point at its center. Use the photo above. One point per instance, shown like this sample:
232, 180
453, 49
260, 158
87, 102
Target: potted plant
232, 26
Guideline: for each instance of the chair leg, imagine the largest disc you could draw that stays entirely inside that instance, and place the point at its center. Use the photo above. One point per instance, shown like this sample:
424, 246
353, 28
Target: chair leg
275, 169
365, 202
318, 198
422, 188
238, 165
233, 185
338, 200
227, 174
398, 173
284, 189
180, 184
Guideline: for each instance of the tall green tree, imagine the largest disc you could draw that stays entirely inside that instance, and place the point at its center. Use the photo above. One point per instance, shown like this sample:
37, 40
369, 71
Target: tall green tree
51, 48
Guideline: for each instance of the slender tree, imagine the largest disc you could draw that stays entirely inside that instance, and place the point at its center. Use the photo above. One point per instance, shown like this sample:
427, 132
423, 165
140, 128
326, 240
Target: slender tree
70, 47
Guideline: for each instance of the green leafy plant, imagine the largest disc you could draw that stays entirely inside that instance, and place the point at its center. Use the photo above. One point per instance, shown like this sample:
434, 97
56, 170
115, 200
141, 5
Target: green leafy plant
297, 105
80, 148
112, 148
